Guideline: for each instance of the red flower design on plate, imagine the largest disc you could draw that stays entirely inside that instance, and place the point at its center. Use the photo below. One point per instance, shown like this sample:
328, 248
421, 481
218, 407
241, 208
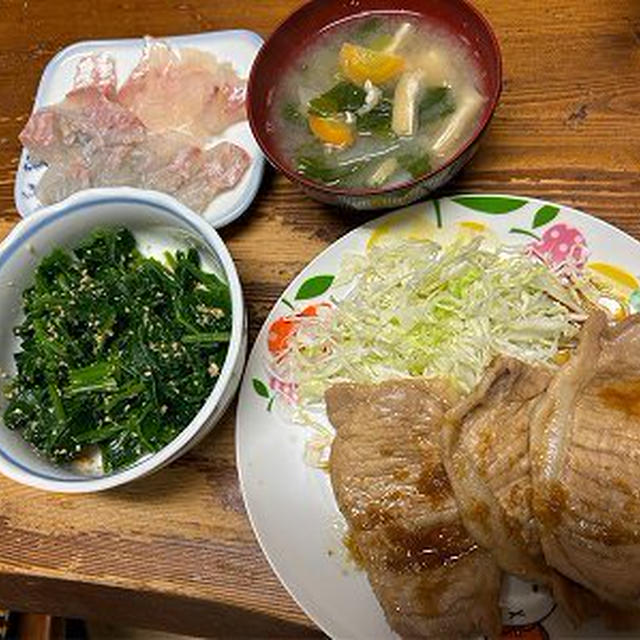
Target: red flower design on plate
528, 632
561, 245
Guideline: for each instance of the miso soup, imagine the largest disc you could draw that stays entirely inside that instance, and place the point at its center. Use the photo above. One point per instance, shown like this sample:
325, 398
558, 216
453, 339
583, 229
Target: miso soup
376, 101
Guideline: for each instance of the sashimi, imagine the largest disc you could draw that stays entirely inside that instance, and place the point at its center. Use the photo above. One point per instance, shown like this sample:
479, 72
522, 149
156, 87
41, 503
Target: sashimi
222, 168
163, 162
185, 90
98, 71
85, 120
62, 180
91, 139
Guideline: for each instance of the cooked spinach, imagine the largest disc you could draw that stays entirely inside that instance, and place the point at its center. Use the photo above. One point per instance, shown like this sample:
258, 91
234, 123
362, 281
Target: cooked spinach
436, 103
344, 96
118, 351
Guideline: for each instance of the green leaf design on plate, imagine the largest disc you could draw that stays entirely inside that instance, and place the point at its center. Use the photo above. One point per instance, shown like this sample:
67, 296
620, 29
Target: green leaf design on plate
545, 215
313, 287
436, 208
260, 388
496, 205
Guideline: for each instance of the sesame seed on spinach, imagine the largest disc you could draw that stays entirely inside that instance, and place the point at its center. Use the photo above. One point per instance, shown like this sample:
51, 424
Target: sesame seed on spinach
118, 351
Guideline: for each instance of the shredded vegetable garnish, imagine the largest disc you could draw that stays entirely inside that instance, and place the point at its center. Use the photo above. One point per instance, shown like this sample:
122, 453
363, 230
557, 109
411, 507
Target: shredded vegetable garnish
414, 308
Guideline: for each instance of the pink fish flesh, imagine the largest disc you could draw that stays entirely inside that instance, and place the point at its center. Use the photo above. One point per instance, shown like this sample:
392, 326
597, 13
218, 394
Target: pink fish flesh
185, 90
92, 139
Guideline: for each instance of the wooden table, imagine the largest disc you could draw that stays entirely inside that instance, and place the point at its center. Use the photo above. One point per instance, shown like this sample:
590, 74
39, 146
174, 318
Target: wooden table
176, 551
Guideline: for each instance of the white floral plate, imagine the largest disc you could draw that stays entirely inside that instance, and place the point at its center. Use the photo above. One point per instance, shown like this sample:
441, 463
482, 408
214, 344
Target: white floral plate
239, 47
291, 505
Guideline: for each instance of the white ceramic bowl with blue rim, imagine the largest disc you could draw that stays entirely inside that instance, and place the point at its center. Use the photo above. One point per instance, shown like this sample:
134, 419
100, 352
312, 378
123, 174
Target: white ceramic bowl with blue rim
158, 224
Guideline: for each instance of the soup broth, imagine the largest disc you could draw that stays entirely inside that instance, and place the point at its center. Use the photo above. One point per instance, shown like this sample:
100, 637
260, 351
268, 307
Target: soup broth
376, 101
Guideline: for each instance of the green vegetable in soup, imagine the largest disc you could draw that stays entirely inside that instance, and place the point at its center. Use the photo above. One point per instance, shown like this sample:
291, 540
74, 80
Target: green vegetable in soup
316, 167
417, 165
291, 114
345, 96
368, 27
381, 42
377, 121
118, 351
436, 103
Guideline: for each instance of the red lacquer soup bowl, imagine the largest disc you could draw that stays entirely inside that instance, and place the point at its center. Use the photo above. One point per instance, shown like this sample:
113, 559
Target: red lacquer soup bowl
303, 27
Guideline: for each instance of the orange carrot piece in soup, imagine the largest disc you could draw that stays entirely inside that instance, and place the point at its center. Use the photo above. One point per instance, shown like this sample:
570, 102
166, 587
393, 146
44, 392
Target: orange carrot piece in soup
332, 131
360, 64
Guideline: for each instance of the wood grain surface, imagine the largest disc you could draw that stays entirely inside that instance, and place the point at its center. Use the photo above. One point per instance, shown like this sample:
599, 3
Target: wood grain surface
176, 551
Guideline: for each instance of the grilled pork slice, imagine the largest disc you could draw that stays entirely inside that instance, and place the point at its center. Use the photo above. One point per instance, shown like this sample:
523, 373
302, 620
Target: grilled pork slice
429, 575
485, 450
585, 453
486, 454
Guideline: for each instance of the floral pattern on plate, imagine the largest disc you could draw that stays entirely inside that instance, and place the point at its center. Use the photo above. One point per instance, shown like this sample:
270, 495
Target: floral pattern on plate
277, 482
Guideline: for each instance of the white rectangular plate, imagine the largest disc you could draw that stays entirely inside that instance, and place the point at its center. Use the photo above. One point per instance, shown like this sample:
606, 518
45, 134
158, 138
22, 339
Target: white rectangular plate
239, 47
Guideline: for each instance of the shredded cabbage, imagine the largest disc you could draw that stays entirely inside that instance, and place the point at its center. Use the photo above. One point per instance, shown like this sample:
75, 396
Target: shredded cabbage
413, 308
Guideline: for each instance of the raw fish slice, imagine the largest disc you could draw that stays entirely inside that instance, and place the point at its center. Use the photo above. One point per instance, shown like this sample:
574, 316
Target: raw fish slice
60, 181
89, 113
79, 138
159, 162
172, 164
84, 121
224, 165
185, 90
225, 104
176, 161
99, 71
114, 166
163, 162
41, 136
